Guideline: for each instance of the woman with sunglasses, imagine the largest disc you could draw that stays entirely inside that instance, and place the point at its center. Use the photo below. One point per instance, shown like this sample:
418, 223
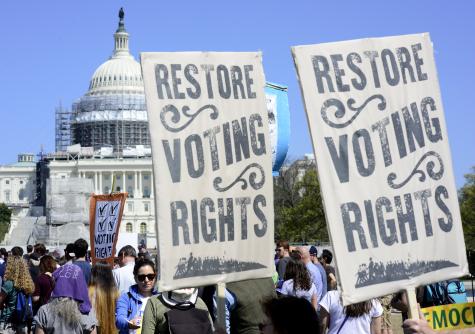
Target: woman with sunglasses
131, 305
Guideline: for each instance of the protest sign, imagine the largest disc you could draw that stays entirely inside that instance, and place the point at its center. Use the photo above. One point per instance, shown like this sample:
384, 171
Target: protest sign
451, 316
377, 124
279, 123
105, 215
212, 163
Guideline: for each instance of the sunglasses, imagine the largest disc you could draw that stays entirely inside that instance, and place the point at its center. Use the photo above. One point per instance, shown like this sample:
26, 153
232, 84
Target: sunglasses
150, 277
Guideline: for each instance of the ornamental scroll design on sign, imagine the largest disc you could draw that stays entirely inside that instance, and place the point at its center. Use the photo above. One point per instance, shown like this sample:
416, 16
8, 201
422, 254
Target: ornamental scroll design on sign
255, 181
430, 169
171, 117
340, 111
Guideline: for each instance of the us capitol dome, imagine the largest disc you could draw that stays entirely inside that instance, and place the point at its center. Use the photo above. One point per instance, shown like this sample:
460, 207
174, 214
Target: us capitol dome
113, 111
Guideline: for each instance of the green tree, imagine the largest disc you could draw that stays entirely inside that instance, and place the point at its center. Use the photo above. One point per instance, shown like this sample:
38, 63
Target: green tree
5, 215
299, 215
467, 209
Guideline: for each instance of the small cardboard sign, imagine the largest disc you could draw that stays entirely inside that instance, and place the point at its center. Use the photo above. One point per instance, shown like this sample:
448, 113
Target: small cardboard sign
105, 215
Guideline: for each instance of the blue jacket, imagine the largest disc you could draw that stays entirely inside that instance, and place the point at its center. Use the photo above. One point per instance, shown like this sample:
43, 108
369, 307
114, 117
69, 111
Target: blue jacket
127, 307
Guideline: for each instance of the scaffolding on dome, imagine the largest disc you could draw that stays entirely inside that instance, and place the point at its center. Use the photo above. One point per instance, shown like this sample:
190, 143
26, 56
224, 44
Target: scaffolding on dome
120, 101
62, 128
119, 134
114, 120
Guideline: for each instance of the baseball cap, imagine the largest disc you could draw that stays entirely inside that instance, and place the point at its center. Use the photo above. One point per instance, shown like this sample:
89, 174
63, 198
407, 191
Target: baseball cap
70, 250
313, 250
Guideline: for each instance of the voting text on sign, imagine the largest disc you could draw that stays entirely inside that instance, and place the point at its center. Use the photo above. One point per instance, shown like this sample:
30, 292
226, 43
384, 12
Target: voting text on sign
105, 217
212, 165
377, 124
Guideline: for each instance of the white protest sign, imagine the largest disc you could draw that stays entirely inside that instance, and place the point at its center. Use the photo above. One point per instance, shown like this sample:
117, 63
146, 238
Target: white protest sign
105, 216
380, 140
212, 165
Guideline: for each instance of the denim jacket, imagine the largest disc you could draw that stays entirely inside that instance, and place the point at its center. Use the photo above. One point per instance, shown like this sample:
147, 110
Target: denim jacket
128, 305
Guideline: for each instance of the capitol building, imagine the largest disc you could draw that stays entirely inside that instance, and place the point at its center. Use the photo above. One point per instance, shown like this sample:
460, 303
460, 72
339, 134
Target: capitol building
112, 113
102, 145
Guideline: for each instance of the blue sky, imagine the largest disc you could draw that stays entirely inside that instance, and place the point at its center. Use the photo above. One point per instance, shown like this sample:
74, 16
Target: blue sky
50, 50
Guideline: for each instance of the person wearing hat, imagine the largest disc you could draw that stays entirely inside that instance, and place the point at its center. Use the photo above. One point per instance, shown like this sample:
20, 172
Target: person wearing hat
314, 258
69, 254
69, 309
168, 309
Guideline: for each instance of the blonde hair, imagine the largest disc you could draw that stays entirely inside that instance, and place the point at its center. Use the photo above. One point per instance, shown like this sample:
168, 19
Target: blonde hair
103, 294
17, 272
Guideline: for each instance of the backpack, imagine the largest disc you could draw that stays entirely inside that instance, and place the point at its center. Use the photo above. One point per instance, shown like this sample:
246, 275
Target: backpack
443, 293
435, 294
23, 311
456, 291
185, 319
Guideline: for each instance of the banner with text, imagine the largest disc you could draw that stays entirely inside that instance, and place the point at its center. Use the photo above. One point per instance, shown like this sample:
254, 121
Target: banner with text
105, 215
451, 316
377, 124
212, 162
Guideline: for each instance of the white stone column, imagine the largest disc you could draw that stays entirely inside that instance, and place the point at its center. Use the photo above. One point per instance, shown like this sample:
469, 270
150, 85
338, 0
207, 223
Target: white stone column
151, 186
96, 186
123, 182
136, 185
101, 190
14, 190
140, 185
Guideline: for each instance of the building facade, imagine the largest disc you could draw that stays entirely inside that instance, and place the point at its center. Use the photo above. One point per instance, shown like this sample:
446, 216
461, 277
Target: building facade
133, 175
105, 138
17, 185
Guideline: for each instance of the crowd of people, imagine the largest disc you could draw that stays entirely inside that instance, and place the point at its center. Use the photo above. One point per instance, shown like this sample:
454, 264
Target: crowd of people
52, 292
305, 275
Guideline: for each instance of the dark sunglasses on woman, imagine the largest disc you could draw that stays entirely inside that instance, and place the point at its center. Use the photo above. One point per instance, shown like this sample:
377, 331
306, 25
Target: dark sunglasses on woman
150, 277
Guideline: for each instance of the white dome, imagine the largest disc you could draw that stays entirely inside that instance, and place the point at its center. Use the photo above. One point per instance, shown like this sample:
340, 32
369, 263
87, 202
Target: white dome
122, 73
113, 111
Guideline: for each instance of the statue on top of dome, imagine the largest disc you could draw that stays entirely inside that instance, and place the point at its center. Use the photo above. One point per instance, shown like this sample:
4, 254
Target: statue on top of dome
121, 27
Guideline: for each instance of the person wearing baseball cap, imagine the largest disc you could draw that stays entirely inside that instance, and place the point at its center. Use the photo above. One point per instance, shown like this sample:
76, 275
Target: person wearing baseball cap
69, 253
314, 258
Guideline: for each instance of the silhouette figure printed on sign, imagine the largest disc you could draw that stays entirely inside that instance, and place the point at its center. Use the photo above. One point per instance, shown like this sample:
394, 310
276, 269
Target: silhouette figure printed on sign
378, 272
196, 266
